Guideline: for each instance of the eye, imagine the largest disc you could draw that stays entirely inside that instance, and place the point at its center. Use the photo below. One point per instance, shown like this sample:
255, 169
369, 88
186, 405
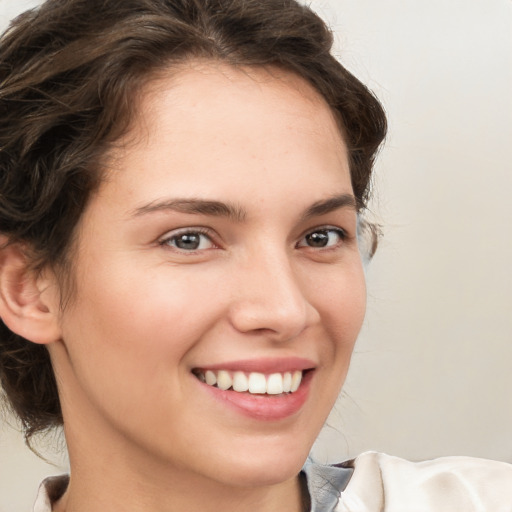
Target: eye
323, 238
191, 240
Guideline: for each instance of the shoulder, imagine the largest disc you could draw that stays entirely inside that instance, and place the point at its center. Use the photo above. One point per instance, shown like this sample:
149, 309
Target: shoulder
382, 483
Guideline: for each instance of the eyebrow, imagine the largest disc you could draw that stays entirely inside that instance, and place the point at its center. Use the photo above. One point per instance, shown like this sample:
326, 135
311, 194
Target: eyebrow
331, 204
237, 213
194, 206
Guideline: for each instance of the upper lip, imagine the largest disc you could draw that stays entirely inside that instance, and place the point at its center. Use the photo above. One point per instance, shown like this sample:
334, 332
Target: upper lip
263, 365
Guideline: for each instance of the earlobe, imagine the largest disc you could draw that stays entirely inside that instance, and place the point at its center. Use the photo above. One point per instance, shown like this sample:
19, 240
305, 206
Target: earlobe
26, 306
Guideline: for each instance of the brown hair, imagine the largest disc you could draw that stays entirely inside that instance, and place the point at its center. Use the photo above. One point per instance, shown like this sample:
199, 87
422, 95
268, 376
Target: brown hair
69, 74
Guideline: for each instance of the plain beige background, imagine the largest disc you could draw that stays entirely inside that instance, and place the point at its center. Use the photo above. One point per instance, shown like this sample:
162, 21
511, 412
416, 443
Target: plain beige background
431, 374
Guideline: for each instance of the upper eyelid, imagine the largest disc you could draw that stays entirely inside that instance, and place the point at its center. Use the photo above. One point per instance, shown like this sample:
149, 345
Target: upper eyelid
326, 227
179, 231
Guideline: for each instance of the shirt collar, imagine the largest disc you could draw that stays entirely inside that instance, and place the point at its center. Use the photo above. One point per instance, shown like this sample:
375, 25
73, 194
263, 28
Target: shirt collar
50, 490
325, 484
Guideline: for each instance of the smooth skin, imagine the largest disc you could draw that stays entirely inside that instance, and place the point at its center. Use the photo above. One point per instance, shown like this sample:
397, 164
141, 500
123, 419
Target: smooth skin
166, 283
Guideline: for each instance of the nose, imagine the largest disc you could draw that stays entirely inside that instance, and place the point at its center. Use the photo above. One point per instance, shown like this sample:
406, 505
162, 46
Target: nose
270, 299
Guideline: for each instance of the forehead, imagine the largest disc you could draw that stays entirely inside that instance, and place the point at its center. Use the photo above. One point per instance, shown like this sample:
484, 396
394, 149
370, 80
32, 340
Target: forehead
214, 95
205, 124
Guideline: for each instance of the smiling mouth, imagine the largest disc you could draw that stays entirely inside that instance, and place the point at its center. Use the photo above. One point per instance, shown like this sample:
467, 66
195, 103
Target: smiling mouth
254, 383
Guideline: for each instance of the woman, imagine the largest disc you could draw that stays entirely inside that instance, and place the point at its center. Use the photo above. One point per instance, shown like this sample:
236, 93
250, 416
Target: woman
181, 284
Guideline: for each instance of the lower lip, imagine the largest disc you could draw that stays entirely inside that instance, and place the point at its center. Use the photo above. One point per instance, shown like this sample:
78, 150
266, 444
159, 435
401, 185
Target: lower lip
264, 407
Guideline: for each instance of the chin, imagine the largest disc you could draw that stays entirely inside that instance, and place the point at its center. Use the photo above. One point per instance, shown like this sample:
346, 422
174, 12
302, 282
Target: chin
263, 468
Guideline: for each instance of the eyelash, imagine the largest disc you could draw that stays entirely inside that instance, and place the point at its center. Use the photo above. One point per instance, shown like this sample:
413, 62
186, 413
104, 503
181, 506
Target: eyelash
341, 233
168, 240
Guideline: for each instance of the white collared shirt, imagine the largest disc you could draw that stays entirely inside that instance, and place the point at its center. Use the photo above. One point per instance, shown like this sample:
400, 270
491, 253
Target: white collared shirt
375, 482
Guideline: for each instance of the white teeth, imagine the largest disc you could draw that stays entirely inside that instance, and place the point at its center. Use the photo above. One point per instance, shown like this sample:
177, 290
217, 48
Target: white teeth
224, 380
275, 384
257, 383
254, 382
296, 380
240, 382
287, 382
210, 377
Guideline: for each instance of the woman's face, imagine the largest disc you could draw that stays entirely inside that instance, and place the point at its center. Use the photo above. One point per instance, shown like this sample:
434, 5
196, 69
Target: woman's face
221, 247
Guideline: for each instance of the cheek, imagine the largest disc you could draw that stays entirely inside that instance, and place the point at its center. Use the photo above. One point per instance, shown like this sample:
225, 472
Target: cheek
128, 342
350, 308
120, 326
341, 303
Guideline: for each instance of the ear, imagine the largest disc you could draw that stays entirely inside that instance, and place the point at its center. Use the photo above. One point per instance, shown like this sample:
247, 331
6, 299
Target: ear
29, 304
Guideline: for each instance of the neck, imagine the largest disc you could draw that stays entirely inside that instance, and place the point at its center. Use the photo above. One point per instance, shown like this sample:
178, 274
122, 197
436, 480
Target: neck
87, 493
111, 477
